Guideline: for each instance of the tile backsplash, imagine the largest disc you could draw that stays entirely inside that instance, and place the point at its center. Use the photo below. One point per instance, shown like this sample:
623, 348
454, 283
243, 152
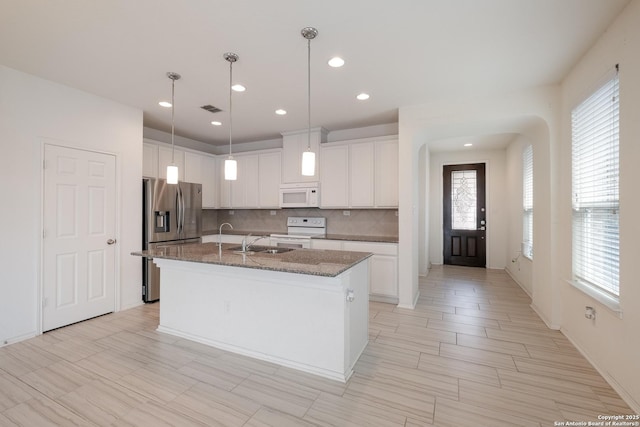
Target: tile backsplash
363, 222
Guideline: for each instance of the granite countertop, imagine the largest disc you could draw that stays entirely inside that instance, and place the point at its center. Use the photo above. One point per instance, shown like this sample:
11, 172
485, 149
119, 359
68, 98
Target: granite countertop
360, 238
352, 237
301, 261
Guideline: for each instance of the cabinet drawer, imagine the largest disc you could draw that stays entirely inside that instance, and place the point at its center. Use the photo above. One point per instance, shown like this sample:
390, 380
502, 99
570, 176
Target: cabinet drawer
373, 247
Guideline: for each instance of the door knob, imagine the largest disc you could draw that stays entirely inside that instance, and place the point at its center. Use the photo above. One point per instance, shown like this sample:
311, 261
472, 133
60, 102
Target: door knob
111, 241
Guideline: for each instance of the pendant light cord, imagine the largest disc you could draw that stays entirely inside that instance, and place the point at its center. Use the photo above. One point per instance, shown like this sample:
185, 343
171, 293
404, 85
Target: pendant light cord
309, 94
173, 84
230, 104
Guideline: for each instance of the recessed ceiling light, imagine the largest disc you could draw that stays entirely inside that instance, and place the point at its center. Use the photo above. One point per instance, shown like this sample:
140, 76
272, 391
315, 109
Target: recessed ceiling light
238, 87
363, 96
281, 112
165, 104
468, 144
216, 123
336, 62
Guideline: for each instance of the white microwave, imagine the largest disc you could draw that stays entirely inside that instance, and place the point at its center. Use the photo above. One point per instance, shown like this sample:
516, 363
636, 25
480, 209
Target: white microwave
300, 195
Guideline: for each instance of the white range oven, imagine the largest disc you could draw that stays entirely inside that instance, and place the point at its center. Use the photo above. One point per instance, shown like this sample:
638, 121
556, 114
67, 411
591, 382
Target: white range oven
299, 232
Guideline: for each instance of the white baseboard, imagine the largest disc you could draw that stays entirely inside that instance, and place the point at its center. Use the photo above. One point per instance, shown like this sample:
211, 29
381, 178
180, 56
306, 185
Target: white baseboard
19, 338
518, 282
413, 304
624, 394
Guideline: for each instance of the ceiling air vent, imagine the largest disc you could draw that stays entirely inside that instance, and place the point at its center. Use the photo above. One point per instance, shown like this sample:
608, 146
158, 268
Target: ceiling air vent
211, 108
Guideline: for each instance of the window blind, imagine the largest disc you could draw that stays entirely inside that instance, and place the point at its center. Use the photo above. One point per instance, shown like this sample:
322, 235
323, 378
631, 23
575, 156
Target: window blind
527, 202
595, 172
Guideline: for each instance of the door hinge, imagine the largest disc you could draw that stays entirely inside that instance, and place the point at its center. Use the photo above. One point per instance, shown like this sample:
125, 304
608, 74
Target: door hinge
44, 233
45, 302
44, 164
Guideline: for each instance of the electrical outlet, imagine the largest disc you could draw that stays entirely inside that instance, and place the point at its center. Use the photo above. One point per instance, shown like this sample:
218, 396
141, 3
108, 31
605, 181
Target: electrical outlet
232, 212
346, 213
227, 307
272, 213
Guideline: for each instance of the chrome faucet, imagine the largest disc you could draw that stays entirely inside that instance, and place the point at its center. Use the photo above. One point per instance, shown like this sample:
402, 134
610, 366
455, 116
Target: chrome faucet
246, 246
220, 233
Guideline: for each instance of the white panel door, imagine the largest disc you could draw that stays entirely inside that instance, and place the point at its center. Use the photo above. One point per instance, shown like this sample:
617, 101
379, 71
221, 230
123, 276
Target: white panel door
79, 236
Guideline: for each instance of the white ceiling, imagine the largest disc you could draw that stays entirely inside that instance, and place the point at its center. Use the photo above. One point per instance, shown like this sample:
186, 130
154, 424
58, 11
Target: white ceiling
402, 52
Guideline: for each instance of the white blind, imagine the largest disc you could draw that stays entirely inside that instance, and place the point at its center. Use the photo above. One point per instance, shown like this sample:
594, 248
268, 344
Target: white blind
595, 171
527, 202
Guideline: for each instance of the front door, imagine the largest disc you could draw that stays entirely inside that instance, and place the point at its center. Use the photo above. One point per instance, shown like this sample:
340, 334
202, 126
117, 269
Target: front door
78, 236
464, 215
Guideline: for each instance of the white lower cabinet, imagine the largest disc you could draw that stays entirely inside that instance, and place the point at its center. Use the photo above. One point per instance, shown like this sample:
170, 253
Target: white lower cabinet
383, 265
335, 245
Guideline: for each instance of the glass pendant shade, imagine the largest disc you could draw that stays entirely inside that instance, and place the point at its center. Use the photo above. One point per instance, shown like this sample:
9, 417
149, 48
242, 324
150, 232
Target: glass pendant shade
230, 169
308, 163
172, 174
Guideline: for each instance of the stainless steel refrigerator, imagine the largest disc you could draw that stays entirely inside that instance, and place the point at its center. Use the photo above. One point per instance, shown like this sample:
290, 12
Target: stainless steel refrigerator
171, 215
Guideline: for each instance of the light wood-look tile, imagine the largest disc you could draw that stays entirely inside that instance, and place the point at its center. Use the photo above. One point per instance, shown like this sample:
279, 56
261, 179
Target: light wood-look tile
278, 393
459, 369
478, 356
213, 406
331, 410
472, 353
393, 396
511, 402
498, 346
451, 413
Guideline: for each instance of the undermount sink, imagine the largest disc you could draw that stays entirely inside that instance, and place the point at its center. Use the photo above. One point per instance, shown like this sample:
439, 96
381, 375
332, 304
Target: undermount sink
277, 250
260, 249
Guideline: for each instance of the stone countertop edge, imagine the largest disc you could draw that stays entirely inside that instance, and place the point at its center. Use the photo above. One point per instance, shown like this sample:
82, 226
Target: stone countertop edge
314, 262
351, 237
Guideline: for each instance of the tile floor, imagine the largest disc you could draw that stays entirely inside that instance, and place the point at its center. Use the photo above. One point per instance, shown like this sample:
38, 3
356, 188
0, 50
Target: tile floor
472, 353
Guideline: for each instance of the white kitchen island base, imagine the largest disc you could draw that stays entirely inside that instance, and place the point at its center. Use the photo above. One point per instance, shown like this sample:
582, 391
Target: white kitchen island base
305, 322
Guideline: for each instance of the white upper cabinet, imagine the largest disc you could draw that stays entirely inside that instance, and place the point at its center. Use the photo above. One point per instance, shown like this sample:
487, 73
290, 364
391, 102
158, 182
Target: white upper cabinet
293, 145
334, 177
269, 169
386, 174
258, 183
361, 167
359, 174
192, 167
149, 160
164, 160
201, 169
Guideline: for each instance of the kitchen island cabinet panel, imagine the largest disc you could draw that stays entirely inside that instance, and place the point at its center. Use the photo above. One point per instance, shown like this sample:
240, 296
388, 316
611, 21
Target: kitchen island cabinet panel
304, 309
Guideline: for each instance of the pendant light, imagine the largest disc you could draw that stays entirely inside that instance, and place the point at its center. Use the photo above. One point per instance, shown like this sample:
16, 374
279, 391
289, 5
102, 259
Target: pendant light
172, 169
309, 157
230, 164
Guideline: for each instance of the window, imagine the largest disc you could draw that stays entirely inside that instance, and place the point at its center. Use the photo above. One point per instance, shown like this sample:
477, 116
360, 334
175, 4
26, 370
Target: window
527, 202
596, 205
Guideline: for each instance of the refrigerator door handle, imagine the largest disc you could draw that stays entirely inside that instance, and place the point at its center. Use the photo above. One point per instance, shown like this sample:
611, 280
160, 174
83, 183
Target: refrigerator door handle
178, 211
181, 197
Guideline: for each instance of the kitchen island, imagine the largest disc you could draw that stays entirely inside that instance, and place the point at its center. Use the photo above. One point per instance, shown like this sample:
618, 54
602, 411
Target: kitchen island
305, 309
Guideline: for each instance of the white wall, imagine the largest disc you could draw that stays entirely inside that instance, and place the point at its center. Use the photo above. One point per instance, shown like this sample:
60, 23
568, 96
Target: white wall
33, 110
496, 200
611, 343
424, 194
520, 269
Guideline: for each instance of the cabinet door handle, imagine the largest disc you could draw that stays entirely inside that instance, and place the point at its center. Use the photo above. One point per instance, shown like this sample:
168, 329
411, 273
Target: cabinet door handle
111, 241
